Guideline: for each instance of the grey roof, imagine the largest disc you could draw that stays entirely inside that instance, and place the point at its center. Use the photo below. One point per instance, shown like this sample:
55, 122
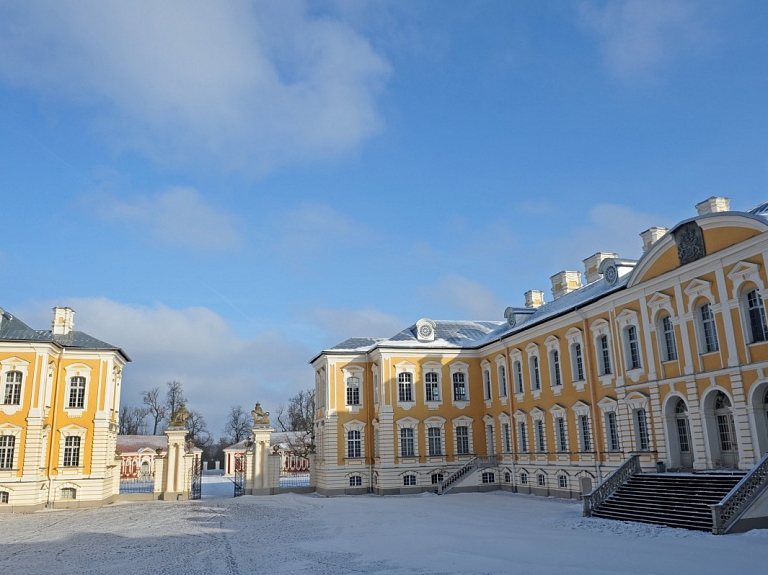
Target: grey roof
358, 344
132, 443
449, 333
13, 329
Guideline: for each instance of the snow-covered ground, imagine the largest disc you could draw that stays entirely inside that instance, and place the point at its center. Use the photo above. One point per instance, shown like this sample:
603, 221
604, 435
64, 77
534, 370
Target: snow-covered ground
287, 534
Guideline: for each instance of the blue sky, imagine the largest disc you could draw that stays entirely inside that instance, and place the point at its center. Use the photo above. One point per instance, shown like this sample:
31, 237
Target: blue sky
224, 189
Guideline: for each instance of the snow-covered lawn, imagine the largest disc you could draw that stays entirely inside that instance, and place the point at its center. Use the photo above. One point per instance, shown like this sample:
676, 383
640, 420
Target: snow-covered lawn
463, 533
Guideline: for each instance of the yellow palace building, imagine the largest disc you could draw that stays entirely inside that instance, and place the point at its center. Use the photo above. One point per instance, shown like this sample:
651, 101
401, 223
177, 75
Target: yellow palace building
665, 357
59, 407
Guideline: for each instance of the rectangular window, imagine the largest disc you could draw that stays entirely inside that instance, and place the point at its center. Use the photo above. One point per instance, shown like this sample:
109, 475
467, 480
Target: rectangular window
556, 377
72, 451
562, 481
562, 438
523, 478
433, 389
354, 444
502, 381
518, 377
68, 493
709, 329
505, 437
541, 480
756, 310
643, 441
586, 440
407, 448
409, 480
668, 335
535, 376
405, 387
523, 437
486, 384
7, 445
353, 391
605, 354
3, 497
437, 478
376, 389
634, 348
613, 431
459, 387
579, 361
355, 481
462, 440
12, 392
76, 392
489, 477
435, 436
540, 443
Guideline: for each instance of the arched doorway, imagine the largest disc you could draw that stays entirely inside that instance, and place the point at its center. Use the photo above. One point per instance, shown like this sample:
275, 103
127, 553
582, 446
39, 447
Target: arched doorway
726, 432
683, 434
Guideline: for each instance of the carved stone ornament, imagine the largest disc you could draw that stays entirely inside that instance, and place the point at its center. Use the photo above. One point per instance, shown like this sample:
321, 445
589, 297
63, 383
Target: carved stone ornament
179, 417
611, 274
509, 313
260, 417
690, 243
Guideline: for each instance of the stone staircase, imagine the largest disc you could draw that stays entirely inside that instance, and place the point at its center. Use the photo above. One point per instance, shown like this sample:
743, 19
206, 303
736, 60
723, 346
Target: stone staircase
671, 499
477, 462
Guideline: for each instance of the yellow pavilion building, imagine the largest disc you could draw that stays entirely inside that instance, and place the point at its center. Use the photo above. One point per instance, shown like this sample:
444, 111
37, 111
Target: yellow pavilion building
58, 415
665, 357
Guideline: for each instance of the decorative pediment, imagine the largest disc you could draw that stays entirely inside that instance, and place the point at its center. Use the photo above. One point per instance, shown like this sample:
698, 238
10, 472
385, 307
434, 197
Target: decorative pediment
600, 327
557, 409
488, 419
537, 413
435, 420
608, 404
10, 429
696, 289
462, 420
407, 422
573, 335
520, 415
357, 424
626, 317
742, 273
580, 408
532, 349
636, 400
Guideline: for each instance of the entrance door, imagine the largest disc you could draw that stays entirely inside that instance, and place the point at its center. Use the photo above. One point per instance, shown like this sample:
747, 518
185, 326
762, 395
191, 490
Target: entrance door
683, 435
726, 432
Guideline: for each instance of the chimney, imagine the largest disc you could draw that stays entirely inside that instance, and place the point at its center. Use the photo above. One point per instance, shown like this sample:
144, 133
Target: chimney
63, 320
713, 205
651, 236
592, 265
534, 298
565, 282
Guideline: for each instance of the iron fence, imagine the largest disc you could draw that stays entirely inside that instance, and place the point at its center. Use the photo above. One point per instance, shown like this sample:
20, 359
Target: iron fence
137, 485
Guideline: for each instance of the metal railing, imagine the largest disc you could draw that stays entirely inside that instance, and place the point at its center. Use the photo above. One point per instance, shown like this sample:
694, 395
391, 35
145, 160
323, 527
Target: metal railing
611, 484
732, 506
477, 462
142, 484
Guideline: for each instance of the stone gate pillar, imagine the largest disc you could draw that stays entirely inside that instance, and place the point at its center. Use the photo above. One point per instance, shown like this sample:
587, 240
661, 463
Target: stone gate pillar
257, 474
175, 460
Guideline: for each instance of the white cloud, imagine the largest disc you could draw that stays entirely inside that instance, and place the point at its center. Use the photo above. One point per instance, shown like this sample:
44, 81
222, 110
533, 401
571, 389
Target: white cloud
176, 216
341, 324
609, 228
468, 298
639, 36
195, 346
248, 85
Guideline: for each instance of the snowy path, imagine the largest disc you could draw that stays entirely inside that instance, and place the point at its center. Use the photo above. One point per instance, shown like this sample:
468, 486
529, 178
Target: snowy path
295, 534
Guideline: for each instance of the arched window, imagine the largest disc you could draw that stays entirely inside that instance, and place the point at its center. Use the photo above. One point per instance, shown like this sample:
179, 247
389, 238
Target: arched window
708, 329
668, 345
405, 387
725, 426
758, 329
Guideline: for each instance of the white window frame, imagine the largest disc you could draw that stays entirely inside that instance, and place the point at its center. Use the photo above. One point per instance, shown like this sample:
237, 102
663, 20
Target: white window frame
463, 421
506, 433
554, 359
534, 369
558, 412
14, 431
358, 426
575, 338
459, 367
77, 370
437, 423
401, 369
667, 337
7, 366
746, 276
485, 367
602, 329
518, 379
586, 444
433, 369
501, 374
521, 423
637, 401
375, 379
413, 425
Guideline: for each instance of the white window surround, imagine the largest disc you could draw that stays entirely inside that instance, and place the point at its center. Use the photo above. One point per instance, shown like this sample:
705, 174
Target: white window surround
485, 368
501, 374
610, 405
405, 367
72, 431
599, 329
489, 421
534, 369
463, 421
6, 366
375, 379
15, 431
556, 412
661, 335
353, 371
523, 443
752, 300
627, 319
636, 401
463, 368
439, 423
77, 370
506, 440
517, 377
408, 423
539, 441
555, 364
435, 368
355, 425
581, 409
575, 337
745, 276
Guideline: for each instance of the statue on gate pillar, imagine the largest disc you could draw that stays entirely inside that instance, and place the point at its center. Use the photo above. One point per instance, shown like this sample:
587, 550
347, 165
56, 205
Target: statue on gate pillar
179, 417
260, 417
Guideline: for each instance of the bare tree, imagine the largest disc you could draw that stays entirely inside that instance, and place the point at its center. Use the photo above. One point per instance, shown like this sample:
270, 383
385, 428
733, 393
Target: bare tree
197, 429
156, 409
174, 397
238, 424
299, 416
132, 420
